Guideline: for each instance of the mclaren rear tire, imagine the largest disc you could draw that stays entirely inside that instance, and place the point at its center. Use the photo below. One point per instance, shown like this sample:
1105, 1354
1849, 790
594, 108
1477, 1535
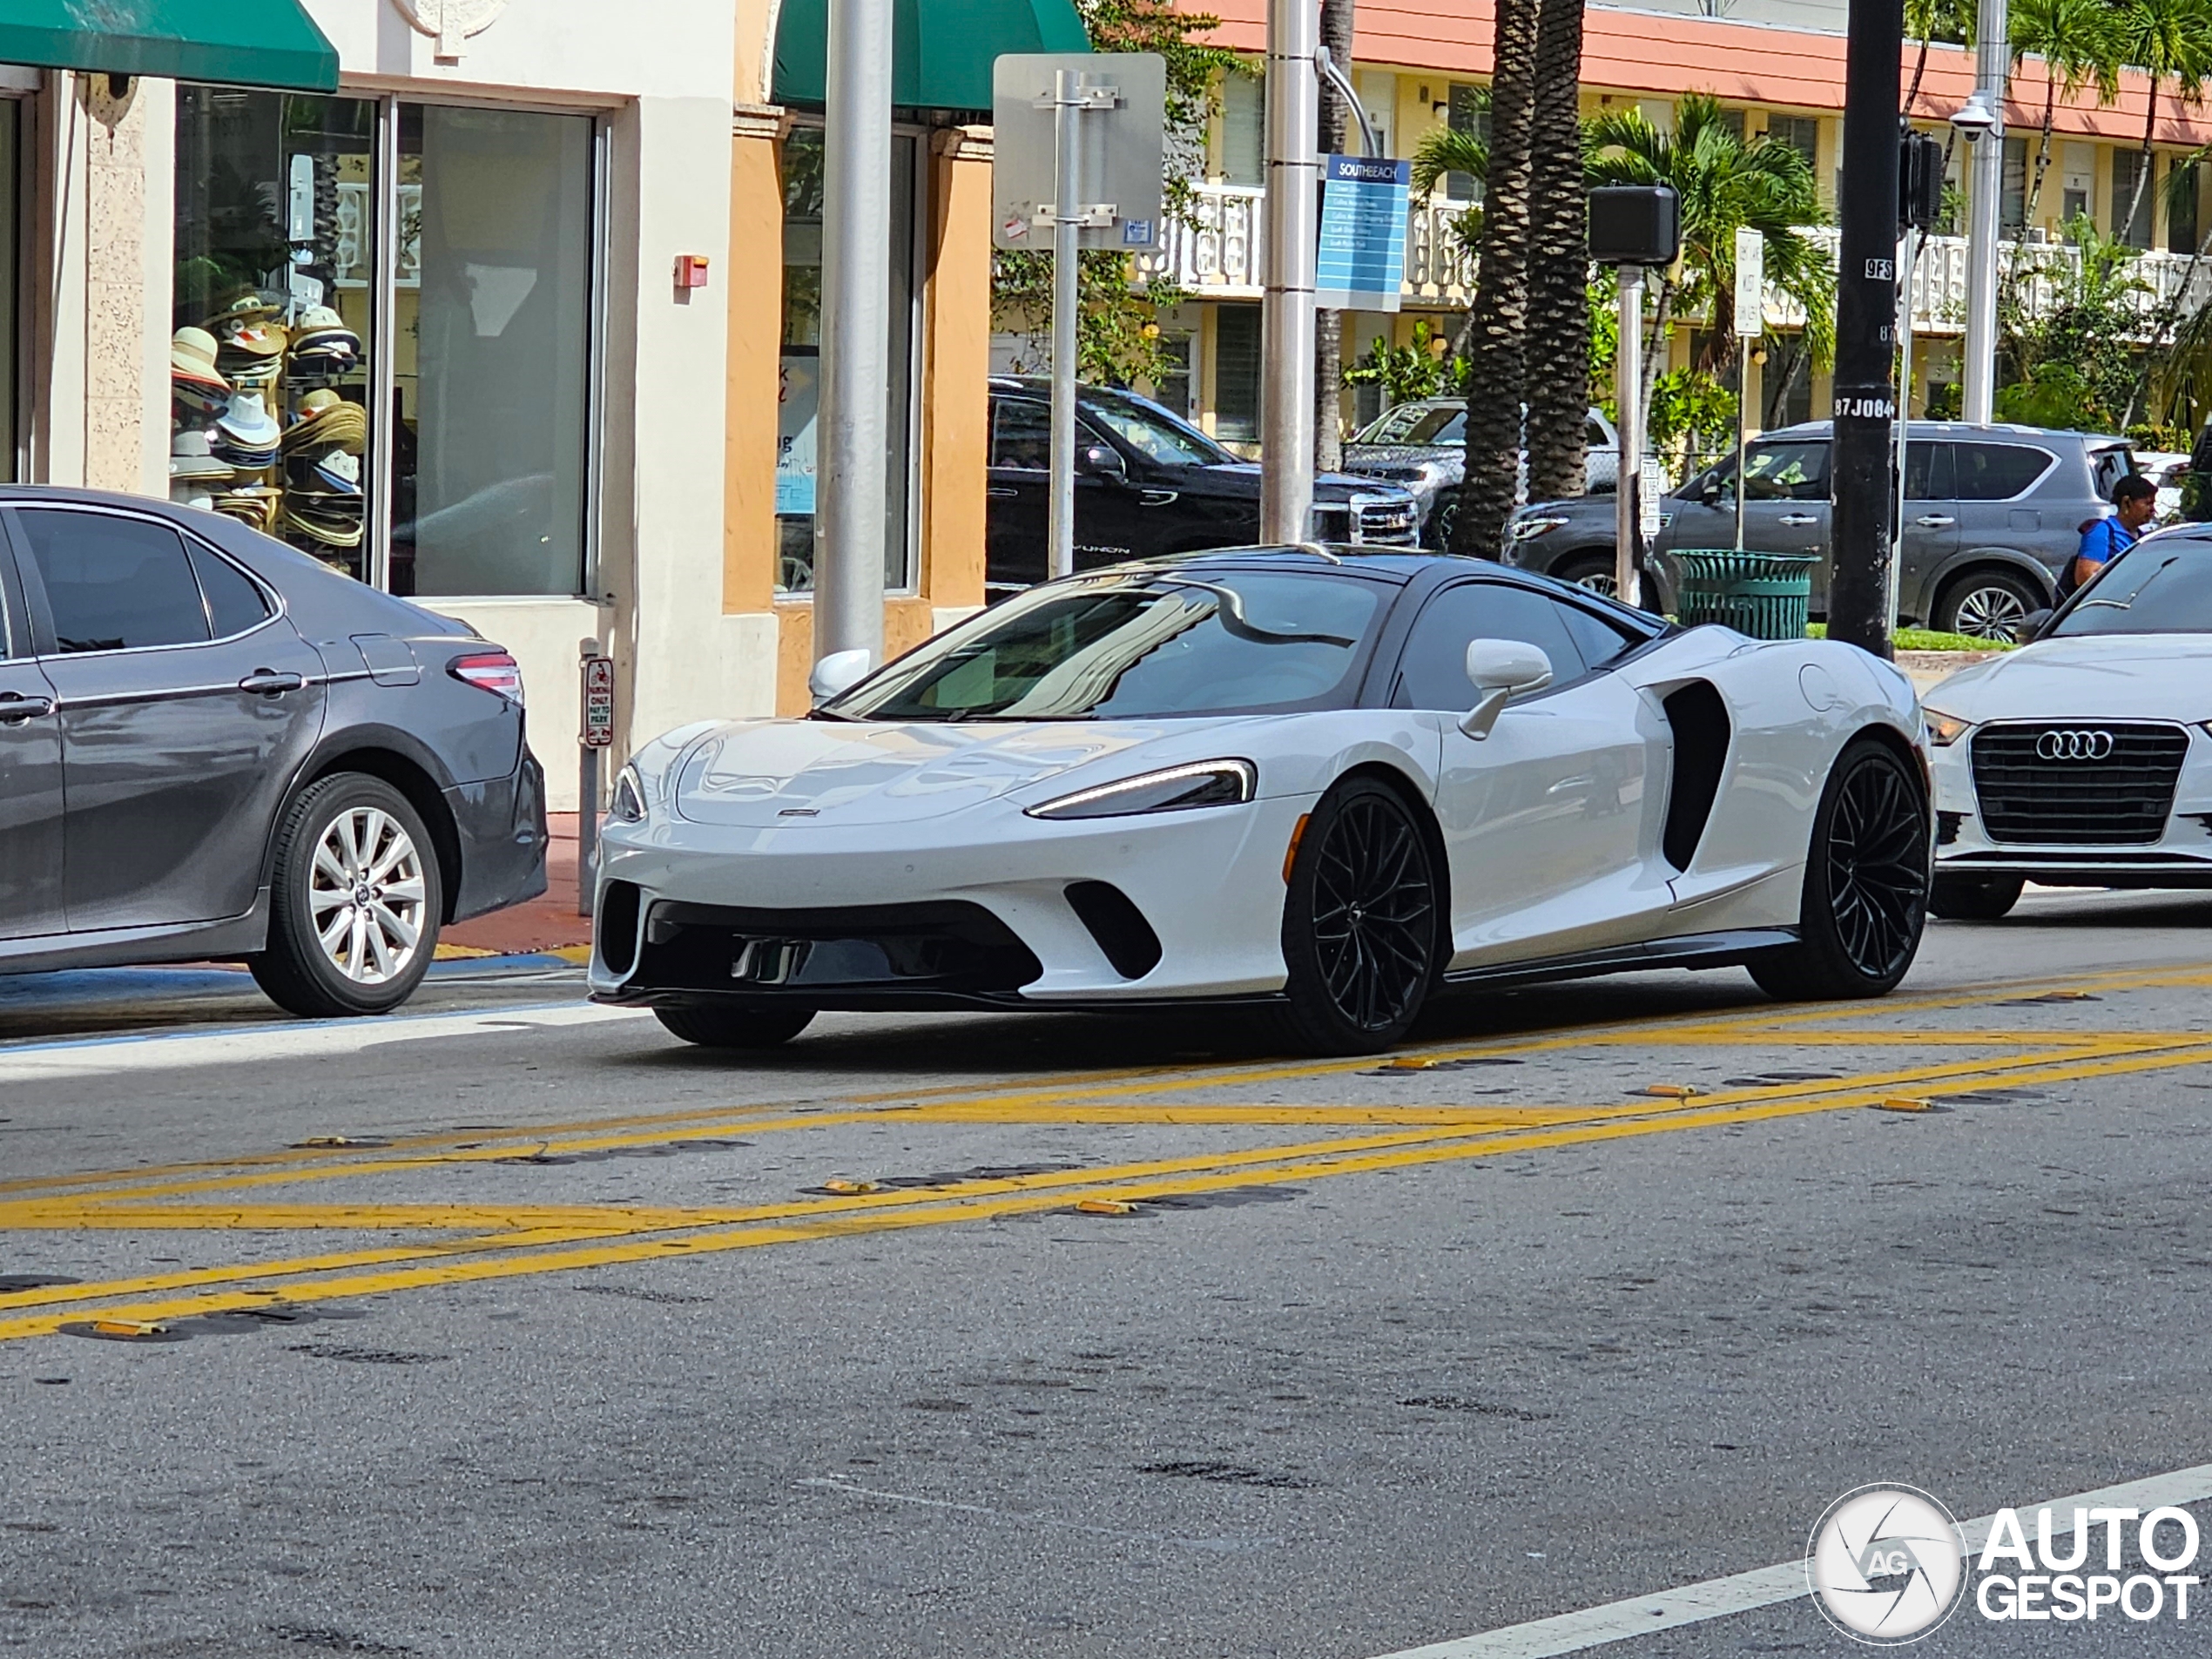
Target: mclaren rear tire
735, 1026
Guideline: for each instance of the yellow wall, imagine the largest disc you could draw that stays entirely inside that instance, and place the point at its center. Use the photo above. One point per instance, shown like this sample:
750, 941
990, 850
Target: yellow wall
755, 288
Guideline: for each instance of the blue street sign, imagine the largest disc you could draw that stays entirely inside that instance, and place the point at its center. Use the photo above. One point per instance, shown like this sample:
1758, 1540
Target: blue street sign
1363, 234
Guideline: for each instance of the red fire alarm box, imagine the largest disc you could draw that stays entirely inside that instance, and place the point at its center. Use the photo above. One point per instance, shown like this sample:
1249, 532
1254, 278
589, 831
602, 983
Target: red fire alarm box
690, 269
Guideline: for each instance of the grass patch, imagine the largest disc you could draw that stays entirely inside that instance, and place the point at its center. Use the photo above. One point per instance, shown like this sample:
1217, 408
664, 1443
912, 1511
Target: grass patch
1925, 639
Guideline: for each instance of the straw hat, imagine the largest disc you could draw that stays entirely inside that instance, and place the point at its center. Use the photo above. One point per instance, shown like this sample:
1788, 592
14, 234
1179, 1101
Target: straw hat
189, 457
246, 306
250, 340
191, 357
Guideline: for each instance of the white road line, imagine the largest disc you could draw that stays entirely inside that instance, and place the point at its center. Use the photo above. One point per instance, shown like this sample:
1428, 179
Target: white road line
1719, 1598
306, 1040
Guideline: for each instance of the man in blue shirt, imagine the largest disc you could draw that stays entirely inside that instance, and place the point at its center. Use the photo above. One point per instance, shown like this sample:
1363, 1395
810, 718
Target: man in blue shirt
2135, 498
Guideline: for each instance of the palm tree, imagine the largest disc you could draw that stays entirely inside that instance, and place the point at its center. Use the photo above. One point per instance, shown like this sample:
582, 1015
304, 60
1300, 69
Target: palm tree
1928, 21
1447, 150
1557, 380
2080, 48
1725, 183
2168, 40
1328, 326
1497, 321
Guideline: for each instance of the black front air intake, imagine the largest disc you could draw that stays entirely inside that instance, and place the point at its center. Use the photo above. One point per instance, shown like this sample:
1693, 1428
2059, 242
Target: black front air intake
1117, 925
616, 934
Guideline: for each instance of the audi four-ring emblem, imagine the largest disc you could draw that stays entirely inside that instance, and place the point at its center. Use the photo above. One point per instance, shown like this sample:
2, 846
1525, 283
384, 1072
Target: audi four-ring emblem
2074, 746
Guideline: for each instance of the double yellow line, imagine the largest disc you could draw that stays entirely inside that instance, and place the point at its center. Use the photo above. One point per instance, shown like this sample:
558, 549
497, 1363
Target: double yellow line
537, 1239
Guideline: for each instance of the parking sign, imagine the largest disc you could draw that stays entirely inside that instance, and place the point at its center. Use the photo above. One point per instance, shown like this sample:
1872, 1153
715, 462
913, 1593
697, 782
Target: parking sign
598, 703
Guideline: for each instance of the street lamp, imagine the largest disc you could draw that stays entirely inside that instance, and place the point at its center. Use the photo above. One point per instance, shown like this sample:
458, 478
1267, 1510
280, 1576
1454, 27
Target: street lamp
1980, 120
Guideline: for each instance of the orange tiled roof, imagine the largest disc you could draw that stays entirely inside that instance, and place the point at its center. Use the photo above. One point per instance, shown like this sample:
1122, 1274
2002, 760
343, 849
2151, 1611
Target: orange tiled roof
1665, 54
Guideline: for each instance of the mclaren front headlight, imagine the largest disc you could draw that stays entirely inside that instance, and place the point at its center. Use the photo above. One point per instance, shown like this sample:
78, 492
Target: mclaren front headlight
628, 803
1174, 789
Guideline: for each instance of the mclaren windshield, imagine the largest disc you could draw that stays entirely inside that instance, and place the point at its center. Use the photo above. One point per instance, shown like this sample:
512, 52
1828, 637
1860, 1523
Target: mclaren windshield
1132, 645
2162, 586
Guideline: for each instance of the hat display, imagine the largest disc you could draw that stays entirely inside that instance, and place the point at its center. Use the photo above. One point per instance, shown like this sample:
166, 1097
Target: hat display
190, 457
261, 433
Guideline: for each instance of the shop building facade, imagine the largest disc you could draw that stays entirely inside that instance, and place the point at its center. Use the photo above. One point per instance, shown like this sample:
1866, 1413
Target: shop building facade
519, 319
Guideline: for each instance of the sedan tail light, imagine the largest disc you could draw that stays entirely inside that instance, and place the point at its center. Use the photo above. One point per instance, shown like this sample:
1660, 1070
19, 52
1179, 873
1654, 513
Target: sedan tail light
491, 671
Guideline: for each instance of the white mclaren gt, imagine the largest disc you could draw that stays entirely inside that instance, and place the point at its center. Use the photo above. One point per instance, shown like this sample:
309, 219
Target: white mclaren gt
2085, 758
1325, 780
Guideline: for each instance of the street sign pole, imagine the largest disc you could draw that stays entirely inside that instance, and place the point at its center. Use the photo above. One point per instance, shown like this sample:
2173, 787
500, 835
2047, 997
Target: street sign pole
1627, 422
1865, 393
1286, 303
597, 733
1078, 151
1751, 322
1909, 257
1068, 127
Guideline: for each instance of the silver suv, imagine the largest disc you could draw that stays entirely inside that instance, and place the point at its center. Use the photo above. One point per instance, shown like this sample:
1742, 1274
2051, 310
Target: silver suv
1992, 514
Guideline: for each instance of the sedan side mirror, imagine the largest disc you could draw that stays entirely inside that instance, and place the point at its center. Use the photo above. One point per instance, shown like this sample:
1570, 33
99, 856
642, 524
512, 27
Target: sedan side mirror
2034, 624
1501, 669
839, 671
1102, 461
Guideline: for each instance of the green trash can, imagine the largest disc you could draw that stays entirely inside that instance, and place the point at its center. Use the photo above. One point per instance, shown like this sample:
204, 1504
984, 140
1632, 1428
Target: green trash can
1763, 595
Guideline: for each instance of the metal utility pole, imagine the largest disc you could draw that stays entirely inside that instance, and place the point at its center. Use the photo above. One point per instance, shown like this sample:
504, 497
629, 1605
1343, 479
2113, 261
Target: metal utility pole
1067, 135
1627, 424
850, 522
1293, 233
1865, 399
1983, 122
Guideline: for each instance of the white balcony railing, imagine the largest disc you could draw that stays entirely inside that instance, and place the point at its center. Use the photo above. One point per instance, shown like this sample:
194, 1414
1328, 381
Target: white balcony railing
1219, 257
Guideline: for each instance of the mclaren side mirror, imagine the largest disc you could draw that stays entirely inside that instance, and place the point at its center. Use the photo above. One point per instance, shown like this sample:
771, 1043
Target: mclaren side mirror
2032, 626
839, 671
1102, 461
1500, 670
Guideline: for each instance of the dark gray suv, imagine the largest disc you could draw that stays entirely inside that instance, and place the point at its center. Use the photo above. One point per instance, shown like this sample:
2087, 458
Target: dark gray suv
1992, 514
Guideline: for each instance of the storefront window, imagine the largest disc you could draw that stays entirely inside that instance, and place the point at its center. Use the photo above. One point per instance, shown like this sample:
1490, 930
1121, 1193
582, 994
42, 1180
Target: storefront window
798, 394
10, 156
269, 364
282, 330
492, 350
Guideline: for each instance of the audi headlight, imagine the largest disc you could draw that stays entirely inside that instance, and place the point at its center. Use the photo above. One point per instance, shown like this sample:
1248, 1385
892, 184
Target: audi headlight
628, 803
1944, 730
1527, 530
1204, 783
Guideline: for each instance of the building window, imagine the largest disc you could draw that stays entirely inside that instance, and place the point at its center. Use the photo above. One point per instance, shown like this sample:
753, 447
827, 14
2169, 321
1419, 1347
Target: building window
1244, 132
2127, 166
492, 350
10, 160
1236, 374
272, 306
1468, 111
2181, 211
1174, 389
799, 393
1801, 133
2012, 200
471, 479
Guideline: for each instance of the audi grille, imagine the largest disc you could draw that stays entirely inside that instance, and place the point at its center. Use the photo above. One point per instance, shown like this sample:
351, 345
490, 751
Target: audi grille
2077, 783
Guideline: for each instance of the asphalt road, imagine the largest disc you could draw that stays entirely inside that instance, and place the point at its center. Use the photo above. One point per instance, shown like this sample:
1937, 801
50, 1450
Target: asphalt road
511, 1327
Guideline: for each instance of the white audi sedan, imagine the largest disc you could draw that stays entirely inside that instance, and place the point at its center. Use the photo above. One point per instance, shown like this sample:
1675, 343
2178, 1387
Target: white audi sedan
2085, 758
1325, 781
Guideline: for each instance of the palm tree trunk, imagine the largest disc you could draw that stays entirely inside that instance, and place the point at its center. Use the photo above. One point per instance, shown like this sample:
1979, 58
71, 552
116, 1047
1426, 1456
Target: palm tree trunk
1777, 394
1328, 326
2142, 173
1655, 351
1919, 68
1559, 262
1497, 339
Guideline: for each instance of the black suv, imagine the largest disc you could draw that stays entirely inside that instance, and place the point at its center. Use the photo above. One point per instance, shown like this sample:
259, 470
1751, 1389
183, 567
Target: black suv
1146, 484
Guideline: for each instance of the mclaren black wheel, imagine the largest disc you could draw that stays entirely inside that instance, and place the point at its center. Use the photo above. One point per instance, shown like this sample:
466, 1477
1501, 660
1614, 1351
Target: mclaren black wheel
1974, 898
1362, 923
1866, 900
735, 1025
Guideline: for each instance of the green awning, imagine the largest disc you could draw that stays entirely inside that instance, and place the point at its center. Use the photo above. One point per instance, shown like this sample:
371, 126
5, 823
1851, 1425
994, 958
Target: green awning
943, 48
238, 42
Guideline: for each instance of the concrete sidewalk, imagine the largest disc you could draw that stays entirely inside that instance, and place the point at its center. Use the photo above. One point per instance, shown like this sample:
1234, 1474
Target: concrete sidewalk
545, 925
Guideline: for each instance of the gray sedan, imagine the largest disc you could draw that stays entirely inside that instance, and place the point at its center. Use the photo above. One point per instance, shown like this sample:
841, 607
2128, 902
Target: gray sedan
1992, 515
213, 748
